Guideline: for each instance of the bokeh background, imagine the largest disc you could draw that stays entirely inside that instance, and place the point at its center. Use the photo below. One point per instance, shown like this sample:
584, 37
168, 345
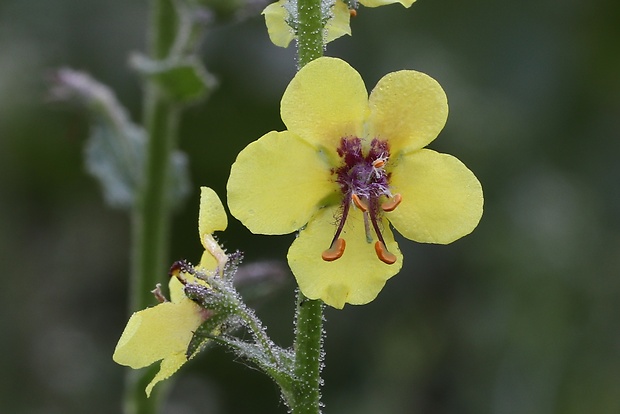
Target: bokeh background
522, 316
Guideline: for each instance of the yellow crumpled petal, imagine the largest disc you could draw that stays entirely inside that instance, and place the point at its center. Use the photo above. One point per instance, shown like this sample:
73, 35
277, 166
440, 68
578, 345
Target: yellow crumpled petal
442, 198
277, 183
177, 292
325, 101
339, 24
377, 3
408, 108
279, 31
212, 216
160, 332
357, 277
168, 366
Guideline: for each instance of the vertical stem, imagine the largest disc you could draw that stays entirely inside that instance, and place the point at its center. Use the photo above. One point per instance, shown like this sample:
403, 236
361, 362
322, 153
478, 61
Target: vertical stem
308, 356
309, 316
151, 215
309, 31
151, 218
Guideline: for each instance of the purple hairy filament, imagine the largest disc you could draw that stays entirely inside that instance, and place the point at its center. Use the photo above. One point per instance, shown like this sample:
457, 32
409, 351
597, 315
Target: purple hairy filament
363, 181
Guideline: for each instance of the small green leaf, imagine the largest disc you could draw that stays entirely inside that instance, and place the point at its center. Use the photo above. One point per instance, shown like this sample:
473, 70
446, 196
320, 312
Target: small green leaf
184, 80
115, 157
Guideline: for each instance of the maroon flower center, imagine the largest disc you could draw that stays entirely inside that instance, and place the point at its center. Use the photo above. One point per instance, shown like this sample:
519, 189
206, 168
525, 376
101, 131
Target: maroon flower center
363, 181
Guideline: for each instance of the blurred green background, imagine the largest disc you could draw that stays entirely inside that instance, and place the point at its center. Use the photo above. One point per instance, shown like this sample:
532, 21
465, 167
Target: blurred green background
522, 316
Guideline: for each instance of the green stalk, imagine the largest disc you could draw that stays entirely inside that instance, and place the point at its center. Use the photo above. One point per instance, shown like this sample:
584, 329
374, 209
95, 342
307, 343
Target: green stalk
309, 31
151, 215
308, 356
309, 313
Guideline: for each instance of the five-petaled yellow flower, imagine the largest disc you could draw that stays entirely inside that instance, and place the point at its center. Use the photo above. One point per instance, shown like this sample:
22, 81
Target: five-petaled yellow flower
280, 15
347, 166
163, 332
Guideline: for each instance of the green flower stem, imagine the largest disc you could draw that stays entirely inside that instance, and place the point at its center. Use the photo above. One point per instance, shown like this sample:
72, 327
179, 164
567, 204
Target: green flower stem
308, 356
310, 43
309, 317
151, 215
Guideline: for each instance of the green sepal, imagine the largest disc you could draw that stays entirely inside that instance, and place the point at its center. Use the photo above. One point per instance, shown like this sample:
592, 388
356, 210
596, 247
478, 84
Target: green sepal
209, 329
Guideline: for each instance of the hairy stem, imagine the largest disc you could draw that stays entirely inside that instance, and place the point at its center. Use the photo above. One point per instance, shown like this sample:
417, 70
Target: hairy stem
308, 356
310, 39
309, 314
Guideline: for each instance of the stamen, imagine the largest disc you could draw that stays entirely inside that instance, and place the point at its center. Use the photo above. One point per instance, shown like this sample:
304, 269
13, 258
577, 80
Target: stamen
378, 163
335, 251
159, 295
367, 228
383, 254
359, 203
392, 203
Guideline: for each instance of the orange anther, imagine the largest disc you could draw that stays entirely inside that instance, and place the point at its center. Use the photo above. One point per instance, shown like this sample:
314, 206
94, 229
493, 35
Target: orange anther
359, 203
335, 251
352, 12
383, 254
378, 163
392, 203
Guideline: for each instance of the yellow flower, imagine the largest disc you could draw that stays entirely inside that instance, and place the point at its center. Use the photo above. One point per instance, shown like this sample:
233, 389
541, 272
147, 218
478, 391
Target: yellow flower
347, 164
163, 332
280, 18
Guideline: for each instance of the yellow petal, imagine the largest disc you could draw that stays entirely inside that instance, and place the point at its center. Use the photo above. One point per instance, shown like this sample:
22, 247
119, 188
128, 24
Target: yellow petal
212, 216
177, 293
169, 366
325, 101
156, 333
339, 24
207, 262
277, 183
357, 277
408, 108
442, 198
377, 3
279, 31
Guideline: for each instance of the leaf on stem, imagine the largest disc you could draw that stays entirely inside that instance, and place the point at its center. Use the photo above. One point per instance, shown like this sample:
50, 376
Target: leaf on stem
115, 150
184, 80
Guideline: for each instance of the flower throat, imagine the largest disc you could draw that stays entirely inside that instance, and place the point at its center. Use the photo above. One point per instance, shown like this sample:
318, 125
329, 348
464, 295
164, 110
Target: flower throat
363, 181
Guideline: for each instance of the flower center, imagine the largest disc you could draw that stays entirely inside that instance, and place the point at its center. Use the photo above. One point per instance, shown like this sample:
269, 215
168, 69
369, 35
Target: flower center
363, 181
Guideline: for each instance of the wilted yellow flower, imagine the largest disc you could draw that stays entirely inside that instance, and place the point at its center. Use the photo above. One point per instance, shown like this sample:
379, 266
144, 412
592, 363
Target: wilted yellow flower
280, 19
347, 167
163, 332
